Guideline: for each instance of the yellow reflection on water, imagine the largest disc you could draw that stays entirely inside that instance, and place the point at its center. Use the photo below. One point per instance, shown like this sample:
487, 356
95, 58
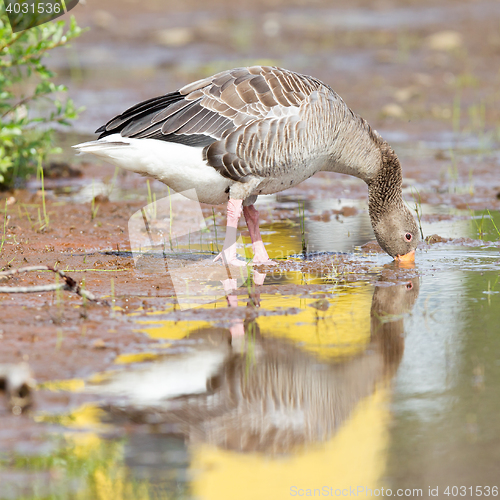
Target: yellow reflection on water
141, 357
286, 239
107, 476
355, 456
342, 330
102, 470
311, 374
71, 385
86, 416
158, 329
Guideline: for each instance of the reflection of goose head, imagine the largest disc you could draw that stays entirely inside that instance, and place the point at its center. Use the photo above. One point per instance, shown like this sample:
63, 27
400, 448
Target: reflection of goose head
389, 304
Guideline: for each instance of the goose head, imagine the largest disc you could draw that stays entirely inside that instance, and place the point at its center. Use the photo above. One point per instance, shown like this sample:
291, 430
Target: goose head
397, 233
393, 224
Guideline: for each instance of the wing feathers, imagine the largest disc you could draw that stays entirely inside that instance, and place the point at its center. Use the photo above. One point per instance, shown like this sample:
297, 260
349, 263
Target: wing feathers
241, 117
169, 111
180, 118
231, 97
259, 84
245, 92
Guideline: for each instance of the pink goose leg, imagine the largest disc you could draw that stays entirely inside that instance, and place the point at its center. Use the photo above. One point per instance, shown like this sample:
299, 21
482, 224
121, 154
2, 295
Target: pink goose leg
237, 326
259, 250
228, 254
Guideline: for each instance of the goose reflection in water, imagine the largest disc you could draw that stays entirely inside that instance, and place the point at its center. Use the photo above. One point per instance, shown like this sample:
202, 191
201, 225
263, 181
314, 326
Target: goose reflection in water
264, 394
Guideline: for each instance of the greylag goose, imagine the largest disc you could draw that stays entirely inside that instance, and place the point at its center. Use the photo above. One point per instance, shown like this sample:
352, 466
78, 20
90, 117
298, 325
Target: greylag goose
258, 130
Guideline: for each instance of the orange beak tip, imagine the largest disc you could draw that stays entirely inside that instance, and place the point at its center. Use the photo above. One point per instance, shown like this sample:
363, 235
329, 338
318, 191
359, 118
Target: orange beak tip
408, 258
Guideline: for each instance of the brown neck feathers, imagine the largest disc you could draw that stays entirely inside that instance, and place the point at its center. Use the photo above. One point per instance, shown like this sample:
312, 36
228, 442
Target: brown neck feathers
384, 190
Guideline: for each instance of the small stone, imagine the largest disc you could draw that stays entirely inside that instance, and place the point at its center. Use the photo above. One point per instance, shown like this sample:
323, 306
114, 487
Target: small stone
385, 56
393, 110
99, 344
271, 25
445, 41
424, 79
435, 238
371, 247
404, 95
174, 37
441, 155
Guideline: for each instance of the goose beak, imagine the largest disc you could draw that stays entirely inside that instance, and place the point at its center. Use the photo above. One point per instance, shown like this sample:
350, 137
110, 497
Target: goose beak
408, 258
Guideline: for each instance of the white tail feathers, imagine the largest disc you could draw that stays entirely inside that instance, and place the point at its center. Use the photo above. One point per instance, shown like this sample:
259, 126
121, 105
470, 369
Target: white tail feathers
110, 142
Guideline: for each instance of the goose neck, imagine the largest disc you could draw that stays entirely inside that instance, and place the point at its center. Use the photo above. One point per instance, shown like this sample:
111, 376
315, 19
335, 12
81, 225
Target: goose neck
385, 188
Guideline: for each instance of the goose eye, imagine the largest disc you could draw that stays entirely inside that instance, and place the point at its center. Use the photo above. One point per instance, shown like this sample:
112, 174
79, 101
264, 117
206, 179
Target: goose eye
408, 236
409, 286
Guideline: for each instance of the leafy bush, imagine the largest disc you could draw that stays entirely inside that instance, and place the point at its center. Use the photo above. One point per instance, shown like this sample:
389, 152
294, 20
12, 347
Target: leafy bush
30, 105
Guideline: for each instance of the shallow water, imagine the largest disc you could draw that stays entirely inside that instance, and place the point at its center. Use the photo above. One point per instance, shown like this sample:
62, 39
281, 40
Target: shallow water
310, 380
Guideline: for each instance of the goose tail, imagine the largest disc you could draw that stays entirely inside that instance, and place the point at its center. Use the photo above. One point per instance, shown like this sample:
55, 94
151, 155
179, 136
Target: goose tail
113, 141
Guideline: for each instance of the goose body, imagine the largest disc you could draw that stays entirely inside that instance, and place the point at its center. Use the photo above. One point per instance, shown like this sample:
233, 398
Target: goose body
179, 166
257, 130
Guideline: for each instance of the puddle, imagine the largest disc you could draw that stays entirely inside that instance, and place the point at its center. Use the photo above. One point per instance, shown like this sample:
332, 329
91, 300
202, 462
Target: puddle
365, 383
336, 369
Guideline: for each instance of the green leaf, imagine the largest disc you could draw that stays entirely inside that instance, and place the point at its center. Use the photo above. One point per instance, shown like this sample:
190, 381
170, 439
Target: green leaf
22, 142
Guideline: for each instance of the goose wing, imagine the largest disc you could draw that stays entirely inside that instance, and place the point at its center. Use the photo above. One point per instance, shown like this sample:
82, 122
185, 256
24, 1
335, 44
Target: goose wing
229, 114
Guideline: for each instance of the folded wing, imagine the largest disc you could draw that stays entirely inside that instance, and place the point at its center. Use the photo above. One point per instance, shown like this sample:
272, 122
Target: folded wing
235, 115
